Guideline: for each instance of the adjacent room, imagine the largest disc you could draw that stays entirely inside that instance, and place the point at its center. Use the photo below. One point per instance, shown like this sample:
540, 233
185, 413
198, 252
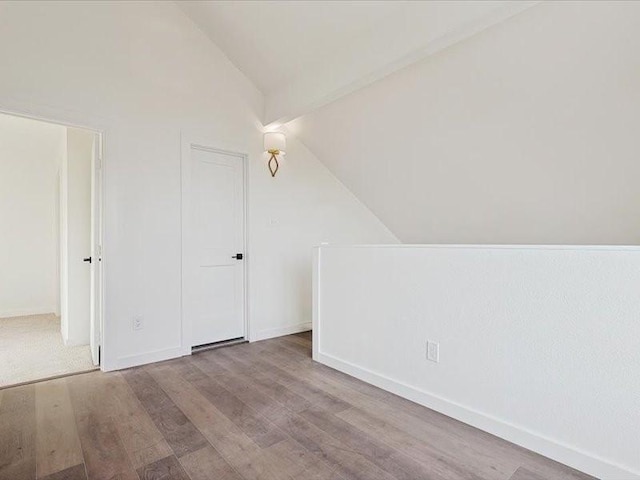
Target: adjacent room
341, 240
45, 205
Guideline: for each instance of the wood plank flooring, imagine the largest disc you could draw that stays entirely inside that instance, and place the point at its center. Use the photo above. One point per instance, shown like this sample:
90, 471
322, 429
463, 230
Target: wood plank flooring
261, 411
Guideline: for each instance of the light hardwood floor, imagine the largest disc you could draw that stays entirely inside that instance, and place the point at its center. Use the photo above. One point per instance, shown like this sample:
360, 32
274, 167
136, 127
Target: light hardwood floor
251, 411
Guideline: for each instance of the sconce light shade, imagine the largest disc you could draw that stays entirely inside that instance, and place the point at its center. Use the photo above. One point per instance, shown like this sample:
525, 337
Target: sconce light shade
275, 142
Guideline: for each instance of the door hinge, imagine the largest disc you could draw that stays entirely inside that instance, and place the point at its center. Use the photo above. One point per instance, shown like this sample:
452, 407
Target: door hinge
99, 355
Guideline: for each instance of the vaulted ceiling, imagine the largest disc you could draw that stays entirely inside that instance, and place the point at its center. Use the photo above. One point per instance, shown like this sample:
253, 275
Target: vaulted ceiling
305, 54
274, 42
455, 121
526, 133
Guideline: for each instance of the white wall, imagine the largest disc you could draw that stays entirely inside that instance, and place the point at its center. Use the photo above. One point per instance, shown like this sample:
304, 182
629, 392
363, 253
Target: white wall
29, 157
143, 73
524, 133
76, 236
306, 207
537, 345
62, 243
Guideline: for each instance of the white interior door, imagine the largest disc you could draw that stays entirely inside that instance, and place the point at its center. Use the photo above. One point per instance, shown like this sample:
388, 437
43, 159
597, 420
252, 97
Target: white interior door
213, 246
96, 250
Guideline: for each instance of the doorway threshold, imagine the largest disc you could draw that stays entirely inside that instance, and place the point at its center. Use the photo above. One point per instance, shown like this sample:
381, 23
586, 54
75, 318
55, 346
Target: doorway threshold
214, 345
52, 377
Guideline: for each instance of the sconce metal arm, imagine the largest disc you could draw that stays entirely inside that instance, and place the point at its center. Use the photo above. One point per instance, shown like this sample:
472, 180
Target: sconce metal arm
274, 159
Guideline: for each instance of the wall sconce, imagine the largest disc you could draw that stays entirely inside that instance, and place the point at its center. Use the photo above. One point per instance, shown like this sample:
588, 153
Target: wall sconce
275, 143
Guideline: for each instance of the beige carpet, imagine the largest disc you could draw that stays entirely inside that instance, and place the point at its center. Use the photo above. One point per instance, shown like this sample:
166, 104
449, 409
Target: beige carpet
31, 348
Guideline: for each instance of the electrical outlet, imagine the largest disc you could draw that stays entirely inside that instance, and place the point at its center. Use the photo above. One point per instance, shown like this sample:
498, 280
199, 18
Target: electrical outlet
137, 323
433, 351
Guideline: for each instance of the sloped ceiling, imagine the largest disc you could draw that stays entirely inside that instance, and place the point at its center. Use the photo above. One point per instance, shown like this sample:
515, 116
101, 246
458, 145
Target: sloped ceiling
273, 41
456, 122
305, 54
526, 133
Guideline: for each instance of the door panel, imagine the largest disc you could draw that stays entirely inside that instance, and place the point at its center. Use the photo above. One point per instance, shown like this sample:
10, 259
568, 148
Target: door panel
96, 250
213, 232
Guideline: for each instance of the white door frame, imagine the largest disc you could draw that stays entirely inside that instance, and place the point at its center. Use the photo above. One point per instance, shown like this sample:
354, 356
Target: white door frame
189, 141
101, 134
97, 211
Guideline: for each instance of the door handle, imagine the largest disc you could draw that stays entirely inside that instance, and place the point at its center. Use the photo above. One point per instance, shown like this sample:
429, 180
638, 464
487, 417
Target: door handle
238, 256
88, 259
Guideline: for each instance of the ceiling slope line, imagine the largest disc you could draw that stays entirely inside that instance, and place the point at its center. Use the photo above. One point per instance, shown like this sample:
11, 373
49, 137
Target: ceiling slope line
281, 108
349, 191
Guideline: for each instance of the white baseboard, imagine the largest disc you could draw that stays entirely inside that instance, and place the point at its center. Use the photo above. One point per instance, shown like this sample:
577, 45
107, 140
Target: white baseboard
580, 460
175, 352
23, 312
280, 331
129, 361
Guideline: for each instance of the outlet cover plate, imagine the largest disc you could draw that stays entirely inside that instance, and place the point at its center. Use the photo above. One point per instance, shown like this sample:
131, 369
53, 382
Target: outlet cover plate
433, 351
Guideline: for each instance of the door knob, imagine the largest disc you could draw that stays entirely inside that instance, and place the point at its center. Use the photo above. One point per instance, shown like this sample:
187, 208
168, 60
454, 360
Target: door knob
238, 256
88, 259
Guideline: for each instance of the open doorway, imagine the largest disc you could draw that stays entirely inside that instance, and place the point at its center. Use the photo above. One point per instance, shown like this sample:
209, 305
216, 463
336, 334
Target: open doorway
50, 242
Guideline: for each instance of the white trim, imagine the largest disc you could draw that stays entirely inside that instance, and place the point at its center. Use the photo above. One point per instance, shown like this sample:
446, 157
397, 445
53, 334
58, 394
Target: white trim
103, 248
187, 142
247, 258
281, 331
144, 358
492, 247
25, 312
541, 444
96, 252
30, 115
315, 305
